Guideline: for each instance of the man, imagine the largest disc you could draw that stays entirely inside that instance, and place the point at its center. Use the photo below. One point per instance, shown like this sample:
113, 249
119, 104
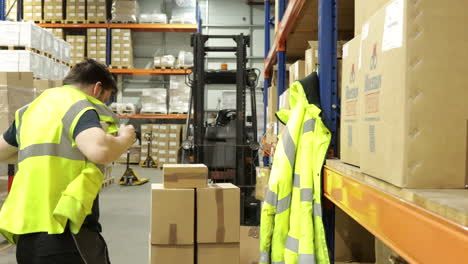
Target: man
52, 210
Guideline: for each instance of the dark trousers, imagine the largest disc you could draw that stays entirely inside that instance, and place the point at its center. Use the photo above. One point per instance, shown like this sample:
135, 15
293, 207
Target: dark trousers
42, 248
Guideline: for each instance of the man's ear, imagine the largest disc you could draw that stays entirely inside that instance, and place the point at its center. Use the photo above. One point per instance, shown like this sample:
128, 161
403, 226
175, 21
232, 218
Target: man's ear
97, 89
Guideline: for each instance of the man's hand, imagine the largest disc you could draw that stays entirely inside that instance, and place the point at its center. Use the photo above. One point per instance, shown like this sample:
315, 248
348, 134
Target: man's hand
128, 134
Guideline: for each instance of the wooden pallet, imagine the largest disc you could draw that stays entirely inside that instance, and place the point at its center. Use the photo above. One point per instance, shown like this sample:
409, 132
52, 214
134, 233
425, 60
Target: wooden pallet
153, 113
123, 22
164, 68
184, 67
119, 67
96, 22
20, 48
74, 21
177, 113
108, 182
52, 21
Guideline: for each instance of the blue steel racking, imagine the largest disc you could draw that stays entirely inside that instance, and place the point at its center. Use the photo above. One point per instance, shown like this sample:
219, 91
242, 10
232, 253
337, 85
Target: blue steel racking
327, 24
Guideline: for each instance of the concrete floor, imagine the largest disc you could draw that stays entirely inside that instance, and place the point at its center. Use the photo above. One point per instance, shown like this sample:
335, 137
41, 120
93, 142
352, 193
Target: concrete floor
125, 213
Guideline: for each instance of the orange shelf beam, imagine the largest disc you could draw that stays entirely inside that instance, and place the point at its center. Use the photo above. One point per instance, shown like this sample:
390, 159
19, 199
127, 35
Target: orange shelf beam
418, 235
286, 25
150, 71
134, 27
158, 27
155, 116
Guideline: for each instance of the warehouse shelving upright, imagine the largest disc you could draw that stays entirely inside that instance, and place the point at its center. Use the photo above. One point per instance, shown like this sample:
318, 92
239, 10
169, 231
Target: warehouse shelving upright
410, 229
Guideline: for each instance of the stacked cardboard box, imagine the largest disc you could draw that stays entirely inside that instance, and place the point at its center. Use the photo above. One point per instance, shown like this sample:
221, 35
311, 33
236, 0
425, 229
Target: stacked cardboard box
261, 183
76, 10
41, 85
122, 48
149, 143
96, 11
172, 235
350, 104
218, 224
16, 90
57, 32
296, 71
53, 10
164, 145
402, 118
78, 48
96, 44
135, 152
32, 10
124, 11
179, 95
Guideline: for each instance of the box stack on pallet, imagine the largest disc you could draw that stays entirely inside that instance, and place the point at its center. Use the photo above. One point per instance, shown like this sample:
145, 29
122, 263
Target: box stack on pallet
179, 95
53, 11
164, 143
206, 230
124, 11
11, 9
32, 10
154, 101
96, 44
122, 49
75, 11
96, 11
26, 47
78, 43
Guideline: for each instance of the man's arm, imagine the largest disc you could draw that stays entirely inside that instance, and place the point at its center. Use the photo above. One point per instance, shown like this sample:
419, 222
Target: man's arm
102, 148
8, 153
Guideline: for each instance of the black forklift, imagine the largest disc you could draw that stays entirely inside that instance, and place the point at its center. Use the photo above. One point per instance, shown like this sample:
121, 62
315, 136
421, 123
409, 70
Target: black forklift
229, 145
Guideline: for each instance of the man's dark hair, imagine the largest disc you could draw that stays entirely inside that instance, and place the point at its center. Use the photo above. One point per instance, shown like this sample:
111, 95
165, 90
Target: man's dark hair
89, 72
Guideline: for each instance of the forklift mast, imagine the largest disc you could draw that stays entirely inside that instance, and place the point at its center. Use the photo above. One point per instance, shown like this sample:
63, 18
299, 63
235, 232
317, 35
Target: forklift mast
244, 163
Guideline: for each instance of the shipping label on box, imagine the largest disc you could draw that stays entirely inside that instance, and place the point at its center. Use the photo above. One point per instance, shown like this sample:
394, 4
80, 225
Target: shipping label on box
218, 208
173, 145
172, 216
185, 176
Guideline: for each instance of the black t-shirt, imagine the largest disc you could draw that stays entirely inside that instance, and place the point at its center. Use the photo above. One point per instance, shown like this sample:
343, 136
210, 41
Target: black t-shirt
88, 120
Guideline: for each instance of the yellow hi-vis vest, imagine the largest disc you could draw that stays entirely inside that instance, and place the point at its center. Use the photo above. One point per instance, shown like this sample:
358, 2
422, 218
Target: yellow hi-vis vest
301, 237
55, 183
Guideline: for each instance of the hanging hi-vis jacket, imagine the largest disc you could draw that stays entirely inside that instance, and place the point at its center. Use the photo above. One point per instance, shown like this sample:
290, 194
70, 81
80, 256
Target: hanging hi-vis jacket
55, 183
291, 229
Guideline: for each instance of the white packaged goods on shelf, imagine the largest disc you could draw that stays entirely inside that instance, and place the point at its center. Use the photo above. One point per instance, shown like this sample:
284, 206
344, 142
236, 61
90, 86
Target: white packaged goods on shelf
56, 48
124, 11
153, 18
177, 81
179, 100
166, 61
123, 108
65, 51
22, 61
21, 34
183, 12
48, 42
154, 100
185, 59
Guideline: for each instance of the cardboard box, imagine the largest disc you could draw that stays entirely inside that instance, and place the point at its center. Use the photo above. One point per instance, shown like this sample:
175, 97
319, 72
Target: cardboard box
350, 103
185, 176
249, 244
272, 102
218, 213
226, 253
172, 216
172, 254
363, 10
311, 57
173, 145
261, 185
174, 128
42, 85
163, 129
16, 91
174, 136
404, 132
296, 71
